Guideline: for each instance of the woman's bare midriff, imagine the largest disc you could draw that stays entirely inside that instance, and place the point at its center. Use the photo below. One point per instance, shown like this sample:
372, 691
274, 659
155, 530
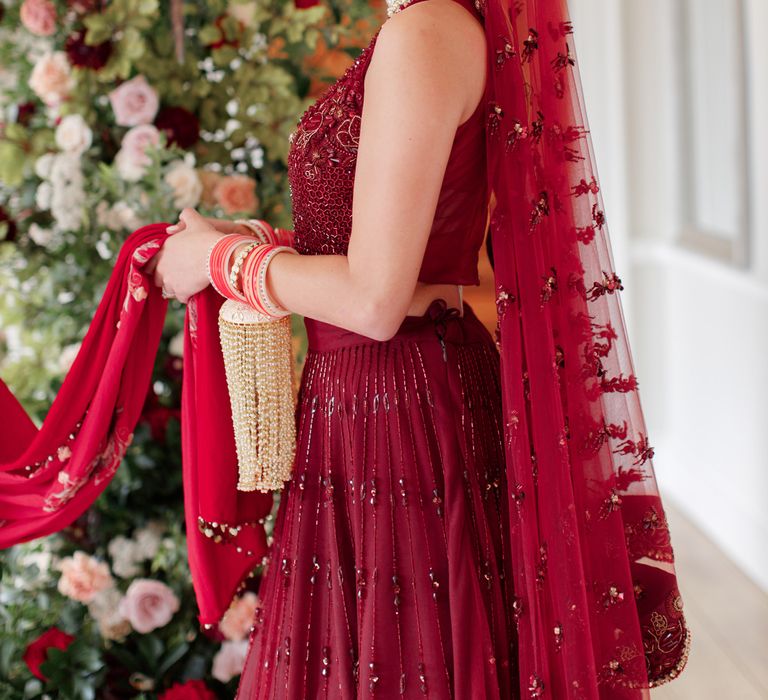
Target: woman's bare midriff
425, 293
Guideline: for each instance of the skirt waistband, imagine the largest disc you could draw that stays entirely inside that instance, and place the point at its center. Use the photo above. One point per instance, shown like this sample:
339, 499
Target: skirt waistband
447, 323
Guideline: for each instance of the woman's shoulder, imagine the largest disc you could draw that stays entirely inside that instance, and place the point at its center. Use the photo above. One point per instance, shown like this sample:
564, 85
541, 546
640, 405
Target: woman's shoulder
442, 30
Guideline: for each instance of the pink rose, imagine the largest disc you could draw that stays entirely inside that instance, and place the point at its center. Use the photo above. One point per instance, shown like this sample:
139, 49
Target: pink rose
38, 16
132, 158
148, 604
237, 621
82, 577
229, 660
51, 79
236, 194
134, 102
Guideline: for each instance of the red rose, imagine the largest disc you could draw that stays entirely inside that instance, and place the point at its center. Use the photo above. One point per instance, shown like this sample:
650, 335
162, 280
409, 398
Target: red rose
37, 650
304, 4
191, 690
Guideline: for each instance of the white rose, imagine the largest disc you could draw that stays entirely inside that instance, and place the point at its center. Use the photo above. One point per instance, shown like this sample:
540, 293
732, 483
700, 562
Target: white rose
125, 557
43, 196
66, 173
41, 236
124, 216
185, 183
43, 165
148, 540
105, 609
73, 135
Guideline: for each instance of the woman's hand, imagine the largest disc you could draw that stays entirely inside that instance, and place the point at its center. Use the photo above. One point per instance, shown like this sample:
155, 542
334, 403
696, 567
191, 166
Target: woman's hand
180, 266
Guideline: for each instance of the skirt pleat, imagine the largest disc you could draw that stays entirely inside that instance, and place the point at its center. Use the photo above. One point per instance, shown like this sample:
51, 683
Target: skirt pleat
388, 573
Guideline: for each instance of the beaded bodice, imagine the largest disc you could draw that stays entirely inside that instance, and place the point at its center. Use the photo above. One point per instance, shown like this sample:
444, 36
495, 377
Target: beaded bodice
321, 172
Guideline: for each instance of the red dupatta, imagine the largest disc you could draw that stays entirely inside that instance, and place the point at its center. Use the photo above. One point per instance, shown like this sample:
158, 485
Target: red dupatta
50, 477
598, 610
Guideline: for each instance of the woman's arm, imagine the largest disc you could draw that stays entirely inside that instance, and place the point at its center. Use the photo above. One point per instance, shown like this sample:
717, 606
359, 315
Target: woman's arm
426, 76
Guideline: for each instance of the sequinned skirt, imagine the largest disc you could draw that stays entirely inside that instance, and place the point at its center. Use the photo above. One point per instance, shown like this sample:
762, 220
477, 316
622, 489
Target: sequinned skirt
387, 574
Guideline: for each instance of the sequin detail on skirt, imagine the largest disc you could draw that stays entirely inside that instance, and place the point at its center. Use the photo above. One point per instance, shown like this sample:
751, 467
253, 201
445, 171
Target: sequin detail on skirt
387, 576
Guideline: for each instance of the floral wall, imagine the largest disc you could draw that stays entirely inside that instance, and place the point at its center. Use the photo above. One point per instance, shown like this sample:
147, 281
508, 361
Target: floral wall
113, 114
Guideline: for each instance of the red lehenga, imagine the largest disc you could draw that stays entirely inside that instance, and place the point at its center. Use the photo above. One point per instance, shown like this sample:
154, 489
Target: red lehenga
389, 574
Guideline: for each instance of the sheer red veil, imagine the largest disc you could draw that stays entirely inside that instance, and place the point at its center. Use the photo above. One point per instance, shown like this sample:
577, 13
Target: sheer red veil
597, 607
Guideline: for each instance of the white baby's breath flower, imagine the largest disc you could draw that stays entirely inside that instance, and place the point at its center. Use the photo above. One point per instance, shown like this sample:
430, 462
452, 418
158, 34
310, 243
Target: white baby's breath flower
73, 135
185, 183
257, 157
103, 249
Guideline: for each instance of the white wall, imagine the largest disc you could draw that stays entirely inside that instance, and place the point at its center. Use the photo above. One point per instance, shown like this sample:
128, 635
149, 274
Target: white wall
698, 327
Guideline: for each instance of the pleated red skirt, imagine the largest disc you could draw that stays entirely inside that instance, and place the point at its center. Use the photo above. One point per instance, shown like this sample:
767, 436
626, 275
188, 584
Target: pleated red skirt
388, 574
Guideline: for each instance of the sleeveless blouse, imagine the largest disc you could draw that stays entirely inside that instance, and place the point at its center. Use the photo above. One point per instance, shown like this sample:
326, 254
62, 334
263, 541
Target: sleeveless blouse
321, 171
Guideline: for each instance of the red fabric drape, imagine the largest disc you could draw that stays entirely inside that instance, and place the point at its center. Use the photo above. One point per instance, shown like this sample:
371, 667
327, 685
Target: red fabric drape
50, 477
599, 612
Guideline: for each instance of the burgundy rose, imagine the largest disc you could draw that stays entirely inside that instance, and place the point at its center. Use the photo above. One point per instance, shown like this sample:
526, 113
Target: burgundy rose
191, 690
180, 126
83, 55
304, 4
10, 225
37, 650
24, 112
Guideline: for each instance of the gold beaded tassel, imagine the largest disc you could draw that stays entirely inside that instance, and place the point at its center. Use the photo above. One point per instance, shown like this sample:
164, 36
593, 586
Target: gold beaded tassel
258, 360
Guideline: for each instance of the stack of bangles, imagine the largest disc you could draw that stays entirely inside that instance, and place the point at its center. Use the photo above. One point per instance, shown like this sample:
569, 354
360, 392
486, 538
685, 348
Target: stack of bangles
252, 259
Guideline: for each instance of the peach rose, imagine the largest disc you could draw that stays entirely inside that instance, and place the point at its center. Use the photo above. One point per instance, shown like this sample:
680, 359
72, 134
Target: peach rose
209, 180
51, 79
134, 102
38, 16
236, 194
148, 604
82, 577
229, 660
237, 621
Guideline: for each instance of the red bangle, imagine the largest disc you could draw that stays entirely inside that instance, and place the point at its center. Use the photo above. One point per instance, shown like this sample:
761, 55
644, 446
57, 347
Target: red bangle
218, 264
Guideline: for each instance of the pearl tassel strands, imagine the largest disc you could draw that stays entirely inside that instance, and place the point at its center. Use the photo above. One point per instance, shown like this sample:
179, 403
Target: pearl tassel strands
258, 361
